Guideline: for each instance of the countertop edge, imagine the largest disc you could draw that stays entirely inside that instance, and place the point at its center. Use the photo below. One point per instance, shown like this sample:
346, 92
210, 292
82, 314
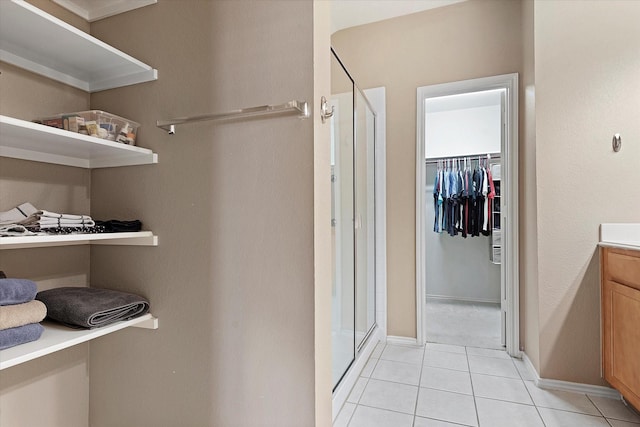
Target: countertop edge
618, 246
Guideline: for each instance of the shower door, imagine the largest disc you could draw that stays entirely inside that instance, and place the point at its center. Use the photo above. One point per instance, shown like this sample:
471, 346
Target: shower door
353, 220
364, 217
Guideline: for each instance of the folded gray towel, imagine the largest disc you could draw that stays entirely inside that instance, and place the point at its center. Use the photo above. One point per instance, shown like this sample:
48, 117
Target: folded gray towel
17, 291
91, 307
20, 335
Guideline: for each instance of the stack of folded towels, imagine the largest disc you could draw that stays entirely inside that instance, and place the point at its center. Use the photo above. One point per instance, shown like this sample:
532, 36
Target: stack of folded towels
34, 220
20, 314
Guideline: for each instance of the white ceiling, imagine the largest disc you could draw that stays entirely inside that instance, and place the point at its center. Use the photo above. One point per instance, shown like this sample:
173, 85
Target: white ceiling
350, 13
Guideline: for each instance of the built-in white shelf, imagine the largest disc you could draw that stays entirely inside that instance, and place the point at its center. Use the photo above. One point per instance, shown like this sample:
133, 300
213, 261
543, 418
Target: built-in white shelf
140, 238
25, 140
36, 41
57, 337
92, 10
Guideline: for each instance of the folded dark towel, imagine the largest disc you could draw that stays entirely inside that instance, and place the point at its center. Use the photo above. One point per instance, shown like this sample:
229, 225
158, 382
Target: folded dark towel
91, 307
17, 291
118, 226
20, 335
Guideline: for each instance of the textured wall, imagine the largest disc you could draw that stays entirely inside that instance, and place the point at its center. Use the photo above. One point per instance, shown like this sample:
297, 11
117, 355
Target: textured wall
232, 280
587, 88
482, 38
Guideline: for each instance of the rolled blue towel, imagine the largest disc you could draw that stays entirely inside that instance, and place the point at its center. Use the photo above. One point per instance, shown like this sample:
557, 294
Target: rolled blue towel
91, 307
20, 335
17, 291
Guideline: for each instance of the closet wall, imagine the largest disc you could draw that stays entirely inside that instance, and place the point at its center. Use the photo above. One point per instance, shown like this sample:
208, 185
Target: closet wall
483, 38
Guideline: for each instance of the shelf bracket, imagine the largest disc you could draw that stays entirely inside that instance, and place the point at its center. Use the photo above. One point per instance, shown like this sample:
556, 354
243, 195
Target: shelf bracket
151, 323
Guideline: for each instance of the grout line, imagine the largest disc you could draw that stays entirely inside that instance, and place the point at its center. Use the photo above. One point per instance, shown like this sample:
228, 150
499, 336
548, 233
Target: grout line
473, 391
352, 413
415, 407
385, 409
534, 402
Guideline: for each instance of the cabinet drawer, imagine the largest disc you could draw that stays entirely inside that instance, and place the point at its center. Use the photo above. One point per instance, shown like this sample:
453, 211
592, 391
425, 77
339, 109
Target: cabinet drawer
623, 268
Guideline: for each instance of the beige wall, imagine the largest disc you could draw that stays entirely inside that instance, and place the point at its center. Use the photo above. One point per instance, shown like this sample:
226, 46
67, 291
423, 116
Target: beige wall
587, 68
482, 38
322, 214
232, 280
529, 331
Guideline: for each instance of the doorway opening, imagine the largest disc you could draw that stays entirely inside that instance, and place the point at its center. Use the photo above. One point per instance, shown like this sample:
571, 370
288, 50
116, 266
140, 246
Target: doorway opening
467, 287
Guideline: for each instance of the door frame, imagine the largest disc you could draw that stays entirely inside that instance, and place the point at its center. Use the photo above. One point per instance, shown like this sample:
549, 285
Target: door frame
509, 268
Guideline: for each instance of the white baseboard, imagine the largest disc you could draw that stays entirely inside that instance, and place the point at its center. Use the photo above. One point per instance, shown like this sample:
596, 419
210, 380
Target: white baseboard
593, 390
391, 339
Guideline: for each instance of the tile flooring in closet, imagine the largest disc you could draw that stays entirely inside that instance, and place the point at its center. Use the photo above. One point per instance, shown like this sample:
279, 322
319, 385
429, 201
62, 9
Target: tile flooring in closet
446, 385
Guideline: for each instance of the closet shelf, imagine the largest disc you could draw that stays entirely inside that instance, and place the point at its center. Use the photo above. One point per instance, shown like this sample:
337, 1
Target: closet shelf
32, 141
57, 337
140, 238
91, 10
43, 44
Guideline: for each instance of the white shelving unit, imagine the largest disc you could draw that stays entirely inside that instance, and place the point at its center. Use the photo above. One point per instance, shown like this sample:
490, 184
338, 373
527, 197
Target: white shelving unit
43, 44
140, 238
32, 141
57, 337
92, 10
496, 212
38, 42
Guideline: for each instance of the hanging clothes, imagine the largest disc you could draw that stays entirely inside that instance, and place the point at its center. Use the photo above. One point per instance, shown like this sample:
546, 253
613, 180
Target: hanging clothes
463, 198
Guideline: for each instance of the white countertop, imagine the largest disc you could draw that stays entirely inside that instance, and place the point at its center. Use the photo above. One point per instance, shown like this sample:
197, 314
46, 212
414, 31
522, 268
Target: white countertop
621, 235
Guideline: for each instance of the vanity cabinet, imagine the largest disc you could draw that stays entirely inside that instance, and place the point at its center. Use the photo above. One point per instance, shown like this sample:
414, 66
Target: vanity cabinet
621, 321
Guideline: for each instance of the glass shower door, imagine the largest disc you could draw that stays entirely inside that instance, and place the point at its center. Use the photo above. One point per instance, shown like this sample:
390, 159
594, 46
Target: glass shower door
342, 209
365, 218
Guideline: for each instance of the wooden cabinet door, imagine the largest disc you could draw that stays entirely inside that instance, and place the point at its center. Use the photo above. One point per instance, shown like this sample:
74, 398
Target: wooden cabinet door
621, 330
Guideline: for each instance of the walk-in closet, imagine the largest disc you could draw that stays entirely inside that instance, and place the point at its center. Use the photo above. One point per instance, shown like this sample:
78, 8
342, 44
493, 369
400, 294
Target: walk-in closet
463, 136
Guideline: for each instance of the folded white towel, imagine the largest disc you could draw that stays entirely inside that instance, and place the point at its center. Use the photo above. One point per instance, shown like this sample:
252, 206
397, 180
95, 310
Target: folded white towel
27, 215
17, 214
47, 214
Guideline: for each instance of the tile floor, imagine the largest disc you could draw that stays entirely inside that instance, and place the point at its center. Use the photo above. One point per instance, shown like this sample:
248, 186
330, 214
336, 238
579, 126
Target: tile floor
448, 385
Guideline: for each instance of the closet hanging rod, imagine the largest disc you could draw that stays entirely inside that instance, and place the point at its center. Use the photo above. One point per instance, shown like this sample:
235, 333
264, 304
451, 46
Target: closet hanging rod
434, 160
300, 108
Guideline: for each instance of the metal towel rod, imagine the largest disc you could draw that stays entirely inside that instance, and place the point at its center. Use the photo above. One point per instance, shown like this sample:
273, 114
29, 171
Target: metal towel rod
291, 107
